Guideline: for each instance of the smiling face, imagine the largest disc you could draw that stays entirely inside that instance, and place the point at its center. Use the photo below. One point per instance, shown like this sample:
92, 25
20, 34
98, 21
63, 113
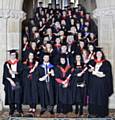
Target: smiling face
46, 58
82, 44
13, 56
25, 39
99, 55
49, 31
64, 49
62, 61
78, 58
70, 39
57, 40
33, 45
72, 21
91, 48
63, 22
31, 56
48, 46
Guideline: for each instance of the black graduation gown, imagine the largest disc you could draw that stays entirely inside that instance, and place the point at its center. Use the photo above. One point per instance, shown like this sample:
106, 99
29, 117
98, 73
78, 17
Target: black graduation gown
78, 92
46, 89
13, 95
99, 89
63, 95
69, 57
71, 53
56, 54
30, 88
25, 53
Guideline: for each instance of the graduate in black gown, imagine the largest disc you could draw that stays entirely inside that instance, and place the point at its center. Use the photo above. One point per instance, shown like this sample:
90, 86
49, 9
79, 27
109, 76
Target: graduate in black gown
30, 92
100, 86
12, 80
46, 84
63, 86
79, 84
57, 51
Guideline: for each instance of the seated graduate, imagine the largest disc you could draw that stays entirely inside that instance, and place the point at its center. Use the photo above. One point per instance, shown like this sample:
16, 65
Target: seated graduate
63, 88
100, 86
79, 84
12, 80
30, 90
46, 83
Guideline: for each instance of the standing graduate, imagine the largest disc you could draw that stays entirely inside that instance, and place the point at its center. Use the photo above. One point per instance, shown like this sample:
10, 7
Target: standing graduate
91, 49
79, 84
30, 83
57, 50
63, 86
100, 86
45, 75
12, 80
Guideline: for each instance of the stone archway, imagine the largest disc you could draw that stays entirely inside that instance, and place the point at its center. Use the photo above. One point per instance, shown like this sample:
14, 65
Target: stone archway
11, 16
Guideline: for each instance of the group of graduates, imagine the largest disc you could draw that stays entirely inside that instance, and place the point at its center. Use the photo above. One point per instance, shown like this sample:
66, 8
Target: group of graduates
61, 65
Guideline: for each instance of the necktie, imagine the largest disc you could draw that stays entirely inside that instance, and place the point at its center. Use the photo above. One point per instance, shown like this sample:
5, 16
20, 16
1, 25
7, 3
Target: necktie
46, 67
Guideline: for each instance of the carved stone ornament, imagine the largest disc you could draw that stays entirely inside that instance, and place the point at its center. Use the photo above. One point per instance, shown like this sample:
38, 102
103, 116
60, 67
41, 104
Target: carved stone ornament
16, 14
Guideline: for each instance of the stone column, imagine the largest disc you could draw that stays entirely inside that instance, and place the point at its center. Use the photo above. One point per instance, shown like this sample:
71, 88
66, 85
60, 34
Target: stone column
3, 56
105, 14
10, 38
14, 29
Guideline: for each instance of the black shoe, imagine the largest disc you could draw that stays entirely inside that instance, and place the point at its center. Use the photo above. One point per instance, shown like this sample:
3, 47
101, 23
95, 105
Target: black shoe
21, 113
42, 112
76, 112
11, 113
52, 112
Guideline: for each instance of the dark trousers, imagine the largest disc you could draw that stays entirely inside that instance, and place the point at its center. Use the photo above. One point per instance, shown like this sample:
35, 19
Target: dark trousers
18, 107
33, 106
79, 109
64, 108
49, 107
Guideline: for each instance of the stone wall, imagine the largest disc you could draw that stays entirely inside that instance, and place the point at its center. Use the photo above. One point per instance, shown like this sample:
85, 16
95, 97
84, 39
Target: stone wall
105, 15
11, 17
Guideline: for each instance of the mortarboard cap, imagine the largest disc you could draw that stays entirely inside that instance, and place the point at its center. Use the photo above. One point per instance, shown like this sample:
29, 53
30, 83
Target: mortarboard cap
71, 3
79, 5
46, 54
49, 4
75, 7
67, 6
12, 51
98, 49
57, 4
40, 2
